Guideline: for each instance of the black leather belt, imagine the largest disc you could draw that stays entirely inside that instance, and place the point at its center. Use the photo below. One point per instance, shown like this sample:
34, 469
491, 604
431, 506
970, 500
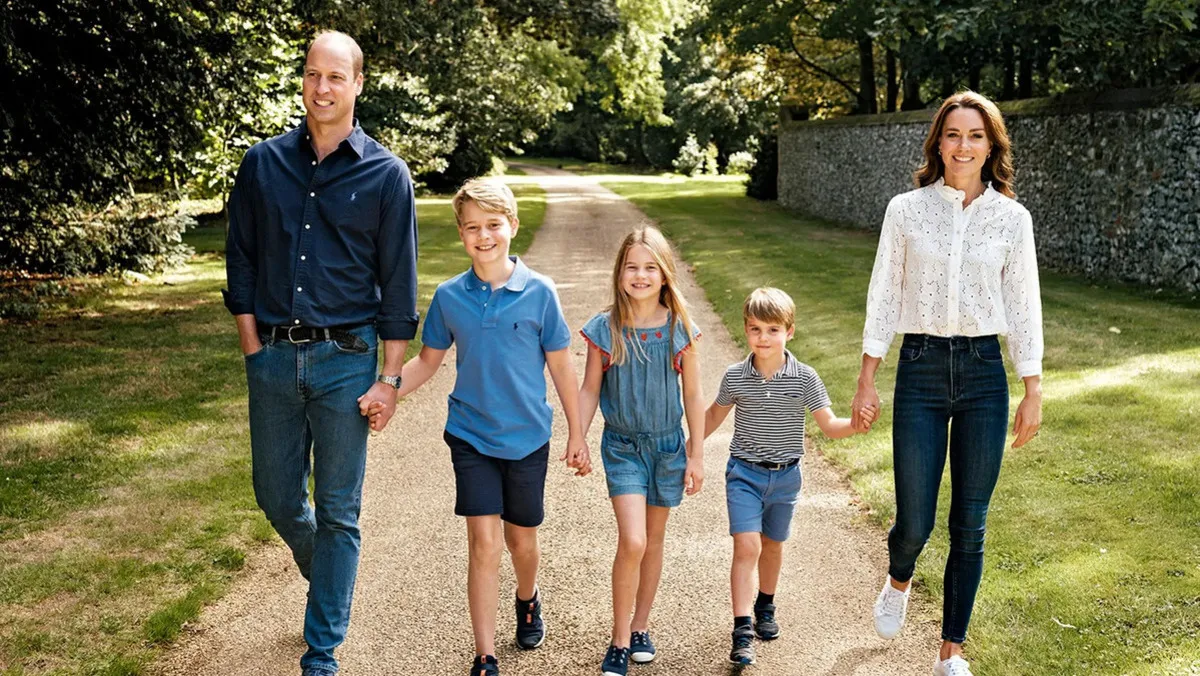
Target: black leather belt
773, 466
298, 335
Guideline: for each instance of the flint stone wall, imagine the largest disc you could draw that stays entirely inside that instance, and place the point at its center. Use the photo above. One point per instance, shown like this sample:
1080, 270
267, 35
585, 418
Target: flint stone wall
1112, 180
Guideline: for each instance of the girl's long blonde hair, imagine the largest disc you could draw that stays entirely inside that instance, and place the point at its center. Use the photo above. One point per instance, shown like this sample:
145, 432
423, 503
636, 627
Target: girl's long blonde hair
621, 311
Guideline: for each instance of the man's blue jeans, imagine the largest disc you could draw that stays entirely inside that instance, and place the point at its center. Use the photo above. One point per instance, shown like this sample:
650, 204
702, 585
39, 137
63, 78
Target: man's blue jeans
947, 390
304, 398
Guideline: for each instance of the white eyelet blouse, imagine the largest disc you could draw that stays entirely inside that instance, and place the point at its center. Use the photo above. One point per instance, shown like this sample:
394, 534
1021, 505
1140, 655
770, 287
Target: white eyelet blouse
948, 271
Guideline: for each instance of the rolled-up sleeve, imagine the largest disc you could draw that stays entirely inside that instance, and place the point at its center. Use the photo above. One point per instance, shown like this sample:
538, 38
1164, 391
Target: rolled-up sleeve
241, 243
1021, 291
887, 280
397, 273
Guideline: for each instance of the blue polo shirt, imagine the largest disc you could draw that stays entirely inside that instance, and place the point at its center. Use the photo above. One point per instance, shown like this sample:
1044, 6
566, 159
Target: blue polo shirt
499, 400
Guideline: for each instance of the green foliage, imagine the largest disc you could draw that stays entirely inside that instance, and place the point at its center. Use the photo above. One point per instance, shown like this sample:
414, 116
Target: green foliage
763, 182
255, 90
740, 162
694, 159
144, 235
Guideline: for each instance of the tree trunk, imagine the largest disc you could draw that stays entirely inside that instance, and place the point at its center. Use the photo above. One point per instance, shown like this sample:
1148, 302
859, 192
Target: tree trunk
1010, 71
1025, 74
866, 76
912, 91
893, 87
909, 82
973, 76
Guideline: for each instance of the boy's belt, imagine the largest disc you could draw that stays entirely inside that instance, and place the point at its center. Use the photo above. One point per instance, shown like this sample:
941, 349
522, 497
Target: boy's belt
773, 466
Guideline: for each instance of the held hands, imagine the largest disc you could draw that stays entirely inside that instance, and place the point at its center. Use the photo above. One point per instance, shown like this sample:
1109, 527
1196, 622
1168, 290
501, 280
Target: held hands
378, 405
577, 456
693, 476
865, 408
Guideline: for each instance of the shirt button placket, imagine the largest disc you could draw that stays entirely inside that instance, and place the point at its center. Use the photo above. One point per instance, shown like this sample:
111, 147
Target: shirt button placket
300, 304
955, 268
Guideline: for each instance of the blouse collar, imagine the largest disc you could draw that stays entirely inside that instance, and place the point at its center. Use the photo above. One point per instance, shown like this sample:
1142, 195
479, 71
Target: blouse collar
955, 195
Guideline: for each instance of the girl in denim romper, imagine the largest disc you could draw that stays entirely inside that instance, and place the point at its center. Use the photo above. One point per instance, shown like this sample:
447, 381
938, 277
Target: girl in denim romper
643, 373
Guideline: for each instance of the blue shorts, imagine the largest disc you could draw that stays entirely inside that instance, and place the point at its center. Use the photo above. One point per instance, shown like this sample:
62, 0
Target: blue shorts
761, 500
652, 465
514, 489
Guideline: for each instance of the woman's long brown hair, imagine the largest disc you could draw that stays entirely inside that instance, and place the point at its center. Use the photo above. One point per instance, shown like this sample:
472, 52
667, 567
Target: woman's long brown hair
997, 168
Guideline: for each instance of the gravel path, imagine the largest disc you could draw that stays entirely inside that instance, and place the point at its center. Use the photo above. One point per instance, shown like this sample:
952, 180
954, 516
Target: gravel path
410, 607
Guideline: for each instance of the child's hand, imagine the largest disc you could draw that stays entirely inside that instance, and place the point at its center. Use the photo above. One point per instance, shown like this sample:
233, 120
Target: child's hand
866, 416
375, 415
577, 456
693, 476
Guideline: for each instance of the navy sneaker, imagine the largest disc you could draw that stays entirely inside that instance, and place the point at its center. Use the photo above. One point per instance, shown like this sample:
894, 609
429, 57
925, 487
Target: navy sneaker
317, 671
764, 621
531, 630
641, 648
485, 665
743, 646
616, 662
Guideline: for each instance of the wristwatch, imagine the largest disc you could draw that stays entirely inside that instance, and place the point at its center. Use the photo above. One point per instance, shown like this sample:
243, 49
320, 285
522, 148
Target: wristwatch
394, 381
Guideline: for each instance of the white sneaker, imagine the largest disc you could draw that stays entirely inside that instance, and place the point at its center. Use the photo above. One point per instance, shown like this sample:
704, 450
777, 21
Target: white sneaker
890, 609
954, 666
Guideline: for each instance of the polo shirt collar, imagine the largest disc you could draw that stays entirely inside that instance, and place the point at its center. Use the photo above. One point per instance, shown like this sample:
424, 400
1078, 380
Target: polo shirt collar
516, 281
357, 140
790, 368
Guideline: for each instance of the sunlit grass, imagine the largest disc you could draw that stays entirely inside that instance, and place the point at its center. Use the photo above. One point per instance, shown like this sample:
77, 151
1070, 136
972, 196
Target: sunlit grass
1093, 563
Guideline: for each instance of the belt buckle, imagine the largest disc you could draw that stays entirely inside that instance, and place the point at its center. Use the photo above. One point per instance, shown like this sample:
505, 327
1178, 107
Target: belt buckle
293, 340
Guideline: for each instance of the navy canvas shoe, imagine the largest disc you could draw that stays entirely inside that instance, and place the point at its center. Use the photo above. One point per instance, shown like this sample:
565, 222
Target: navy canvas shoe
616, 662
641, 648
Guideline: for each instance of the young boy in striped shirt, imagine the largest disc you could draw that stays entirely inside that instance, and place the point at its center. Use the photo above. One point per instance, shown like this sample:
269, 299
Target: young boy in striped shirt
772, 392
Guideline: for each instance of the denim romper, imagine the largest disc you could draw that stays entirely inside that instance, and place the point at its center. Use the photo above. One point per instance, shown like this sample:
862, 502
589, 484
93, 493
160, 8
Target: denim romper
641, 400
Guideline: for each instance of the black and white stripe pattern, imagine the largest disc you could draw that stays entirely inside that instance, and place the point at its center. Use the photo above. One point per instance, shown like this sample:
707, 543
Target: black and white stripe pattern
768, 423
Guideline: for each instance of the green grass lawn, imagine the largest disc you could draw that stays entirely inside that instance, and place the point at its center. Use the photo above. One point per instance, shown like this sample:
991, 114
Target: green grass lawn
125, 498
1093, 549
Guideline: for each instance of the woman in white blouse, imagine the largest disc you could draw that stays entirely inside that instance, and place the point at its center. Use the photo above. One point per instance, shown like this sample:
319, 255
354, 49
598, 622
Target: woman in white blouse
955, 267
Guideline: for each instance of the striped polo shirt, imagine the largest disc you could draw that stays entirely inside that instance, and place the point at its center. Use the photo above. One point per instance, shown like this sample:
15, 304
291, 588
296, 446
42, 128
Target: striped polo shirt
768, 424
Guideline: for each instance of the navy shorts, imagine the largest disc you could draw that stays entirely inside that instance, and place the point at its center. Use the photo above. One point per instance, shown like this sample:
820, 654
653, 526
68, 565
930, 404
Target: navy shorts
514, 489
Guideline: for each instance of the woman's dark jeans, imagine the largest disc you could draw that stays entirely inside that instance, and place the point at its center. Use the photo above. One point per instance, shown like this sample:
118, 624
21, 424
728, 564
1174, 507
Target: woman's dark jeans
949, 392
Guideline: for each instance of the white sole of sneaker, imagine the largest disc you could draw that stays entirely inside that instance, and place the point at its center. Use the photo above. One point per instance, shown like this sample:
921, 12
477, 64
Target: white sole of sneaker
643, 658
539, 643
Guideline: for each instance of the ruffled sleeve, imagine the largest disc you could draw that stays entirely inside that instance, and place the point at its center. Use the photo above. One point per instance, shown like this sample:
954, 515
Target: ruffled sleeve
681, 342
599, 337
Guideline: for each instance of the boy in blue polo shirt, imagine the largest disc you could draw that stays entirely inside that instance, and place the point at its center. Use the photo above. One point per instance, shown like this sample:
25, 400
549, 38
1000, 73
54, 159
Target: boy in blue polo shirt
508, 324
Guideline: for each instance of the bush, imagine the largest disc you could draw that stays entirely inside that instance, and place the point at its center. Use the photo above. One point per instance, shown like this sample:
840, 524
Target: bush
468, 161
694, 160
143, 235
740, 163
763, 183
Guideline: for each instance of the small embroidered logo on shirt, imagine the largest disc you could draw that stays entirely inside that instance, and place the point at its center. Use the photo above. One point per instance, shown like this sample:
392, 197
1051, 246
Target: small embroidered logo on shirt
514, 326
353, 196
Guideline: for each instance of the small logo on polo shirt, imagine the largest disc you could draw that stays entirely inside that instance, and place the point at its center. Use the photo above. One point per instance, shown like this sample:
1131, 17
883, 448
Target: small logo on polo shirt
353, 196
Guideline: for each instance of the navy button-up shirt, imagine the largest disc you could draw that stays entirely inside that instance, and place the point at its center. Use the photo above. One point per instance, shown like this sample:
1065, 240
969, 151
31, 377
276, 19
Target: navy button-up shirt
324, 243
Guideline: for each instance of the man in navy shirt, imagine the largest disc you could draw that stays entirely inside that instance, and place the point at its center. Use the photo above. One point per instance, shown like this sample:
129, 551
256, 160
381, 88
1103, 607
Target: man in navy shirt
321, 265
